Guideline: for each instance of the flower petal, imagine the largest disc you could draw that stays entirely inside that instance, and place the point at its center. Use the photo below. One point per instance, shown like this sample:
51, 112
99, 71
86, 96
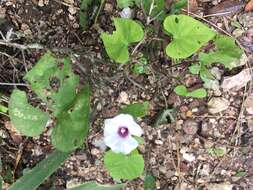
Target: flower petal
129, 145
121, 145
135, 129
111, 127
128, 121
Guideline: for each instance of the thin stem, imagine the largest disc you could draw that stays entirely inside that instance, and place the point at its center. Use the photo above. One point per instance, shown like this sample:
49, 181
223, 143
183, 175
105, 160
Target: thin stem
99, 10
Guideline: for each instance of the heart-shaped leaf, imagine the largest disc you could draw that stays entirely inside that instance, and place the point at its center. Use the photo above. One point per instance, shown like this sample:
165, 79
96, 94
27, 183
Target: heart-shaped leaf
181, 90
116, 44
226, 53
54, 82
28, 120
72, 125
137, 109
198, 93
122, 166
188, 35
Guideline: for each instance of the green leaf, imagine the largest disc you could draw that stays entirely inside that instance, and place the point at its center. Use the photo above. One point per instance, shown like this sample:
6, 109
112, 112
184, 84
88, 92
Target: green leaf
227, 53
32, 179
1, 183
177, 6
149, 182
1, 165
72, 126
83, 13
28, 120
124, 3
94, 186
137, 109
240, 174
217, 151
205, 73
122, 166
158, 8
198, 93
116, 44
181, 90
3, 109
1, 179
188, 35
140, 140
194, 69
165, 116
141, 66
54, 82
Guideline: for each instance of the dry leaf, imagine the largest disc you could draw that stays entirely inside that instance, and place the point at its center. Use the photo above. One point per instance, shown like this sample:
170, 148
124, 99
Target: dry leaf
216, 105
238, 81
219, 186
249, 6
193, 5
226, 7
15, 135
248, 103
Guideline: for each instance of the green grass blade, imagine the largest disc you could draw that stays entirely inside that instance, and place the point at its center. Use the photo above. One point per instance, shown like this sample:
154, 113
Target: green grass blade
32, 179
94, 186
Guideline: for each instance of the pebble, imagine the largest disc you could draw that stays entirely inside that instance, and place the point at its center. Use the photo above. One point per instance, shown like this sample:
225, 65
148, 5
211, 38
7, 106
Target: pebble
95, 152
159, 142
72, 10
190, 127
123, 98
99, 143
108, 7
194, 110
189, 157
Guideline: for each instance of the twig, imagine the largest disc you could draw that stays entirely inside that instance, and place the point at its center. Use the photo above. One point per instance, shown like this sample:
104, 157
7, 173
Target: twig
20, 46
66, 4
12, 84
134, 83
99, 10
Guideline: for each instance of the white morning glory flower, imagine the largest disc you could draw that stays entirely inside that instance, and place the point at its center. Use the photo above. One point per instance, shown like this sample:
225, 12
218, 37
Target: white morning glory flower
118, 133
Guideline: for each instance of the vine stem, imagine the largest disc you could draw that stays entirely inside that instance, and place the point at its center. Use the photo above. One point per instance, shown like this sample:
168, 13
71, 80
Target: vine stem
99, 10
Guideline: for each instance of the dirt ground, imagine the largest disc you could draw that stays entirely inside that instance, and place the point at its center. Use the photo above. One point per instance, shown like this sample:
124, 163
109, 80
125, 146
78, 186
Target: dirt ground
179, 154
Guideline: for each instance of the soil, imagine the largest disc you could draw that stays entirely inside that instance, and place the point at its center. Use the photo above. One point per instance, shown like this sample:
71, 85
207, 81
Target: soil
176, 153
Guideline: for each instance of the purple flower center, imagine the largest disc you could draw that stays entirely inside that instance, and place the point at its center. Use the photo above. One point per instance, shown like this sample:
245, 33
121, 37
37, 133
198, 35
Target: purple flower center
123, 131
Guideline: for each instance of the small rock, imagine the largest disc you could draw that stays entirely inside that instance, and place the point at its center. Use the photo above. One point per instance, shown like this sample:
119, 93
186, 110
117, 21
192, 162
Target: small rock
250, 124
189, 113
159, 142
72, 10
189, 157
190, 127
95, 152
99, 143
248, 103
163, 169
205, 171
108, 7
123, 98
41, 3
